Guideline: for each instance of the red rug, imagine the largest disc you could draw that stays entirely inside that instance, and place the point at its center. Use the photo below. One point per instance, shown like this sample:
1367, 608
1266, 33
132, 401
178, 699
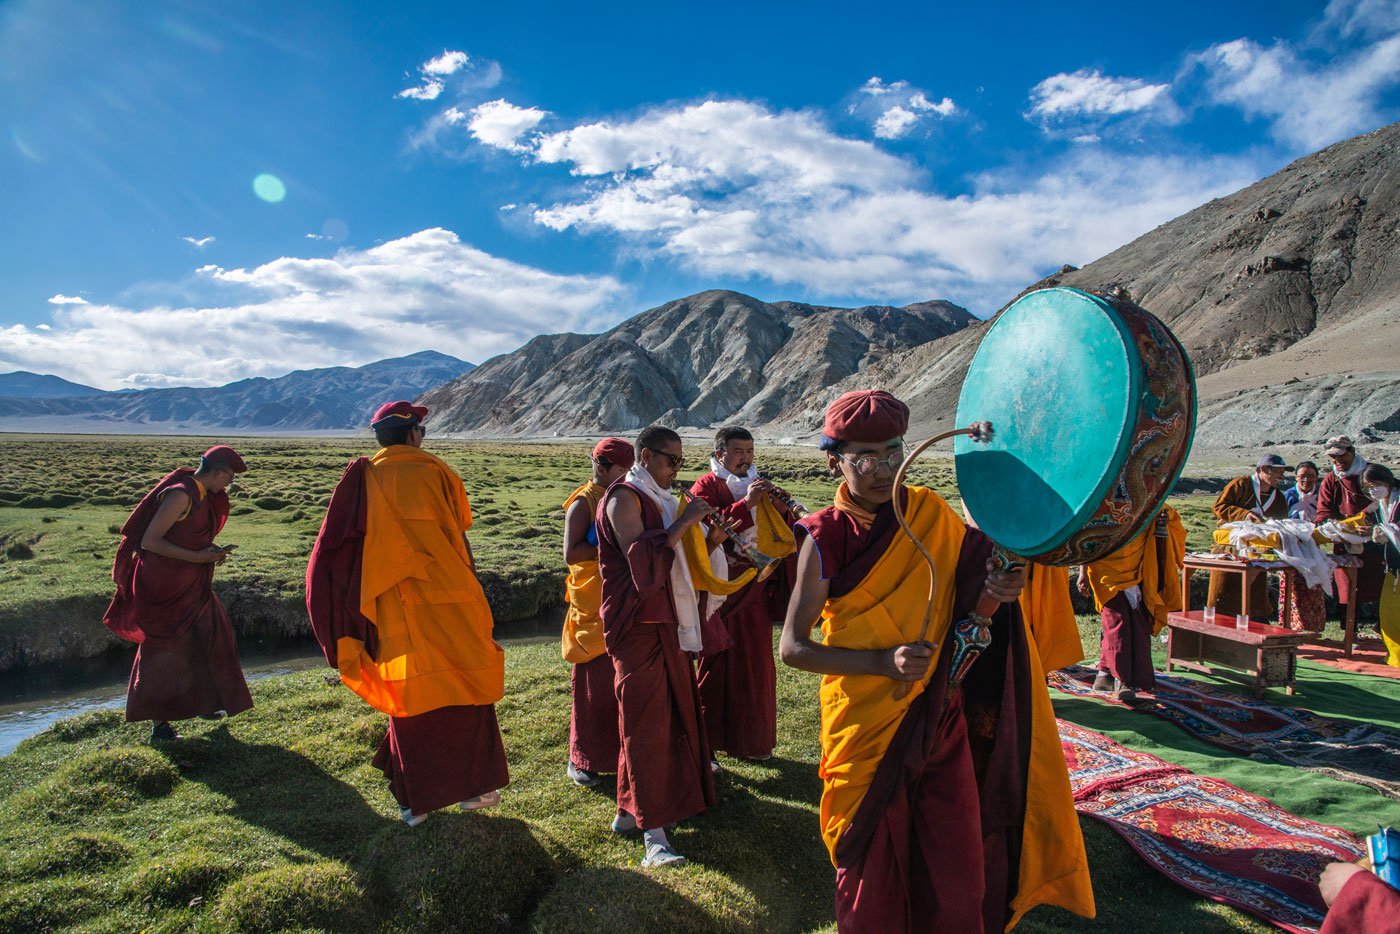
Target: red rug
1205, 834
1367, 657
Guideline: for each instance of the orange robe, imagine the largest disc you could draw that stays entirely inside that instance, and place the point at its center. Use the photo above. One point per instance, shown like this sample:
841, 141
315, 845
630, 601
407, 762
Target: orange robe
1049, 616
1025, 807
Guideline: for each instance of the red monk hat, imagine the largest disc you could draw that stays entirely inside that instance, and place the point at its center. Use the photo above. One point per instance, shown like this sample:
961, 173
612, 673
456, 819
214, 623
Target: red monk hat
222, 456
615, 451
398, 413
864, 415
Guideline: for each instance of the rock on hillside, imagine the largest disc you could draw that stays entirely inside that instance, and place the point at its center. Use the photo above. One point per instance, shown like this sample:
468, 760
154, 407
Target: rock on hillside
714, 357
330, 398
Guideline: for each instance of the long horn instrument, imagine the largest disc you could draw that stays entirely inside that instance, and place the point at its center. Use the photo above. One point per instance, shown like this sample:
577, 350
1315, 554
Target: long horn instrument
762, 563
783, 498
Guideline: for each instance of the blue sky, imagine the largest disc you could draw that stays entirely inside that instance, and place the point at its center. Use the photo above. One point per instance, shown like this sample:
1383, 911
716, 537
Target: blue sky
192, 193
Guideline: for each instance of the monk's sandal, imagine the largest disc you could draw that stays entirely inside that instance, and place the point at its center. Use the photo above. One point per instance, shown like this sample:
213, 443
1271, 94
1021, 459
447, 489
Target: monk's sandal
490, 799
659, 854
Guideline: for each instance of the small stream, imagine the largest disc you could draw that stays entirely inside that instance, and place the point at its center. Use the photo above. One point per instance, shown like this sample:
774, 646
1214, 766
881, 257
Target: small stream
34, 699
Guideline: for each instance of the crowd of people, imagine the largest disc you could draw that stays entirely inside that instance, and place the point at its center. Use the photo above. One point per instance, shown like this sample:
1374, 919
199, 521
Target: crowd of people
945, 800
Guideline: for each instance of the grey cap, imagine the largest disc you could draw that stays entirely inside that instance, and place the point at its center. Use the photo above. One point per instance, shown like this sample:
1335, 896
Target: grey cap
1270, 460
1340, 445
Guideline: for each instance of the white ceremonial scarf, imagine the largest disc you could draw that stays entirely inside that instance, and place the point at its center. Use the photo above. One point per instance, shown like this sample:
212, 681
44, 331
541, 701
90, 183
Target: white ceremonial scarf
687, 601
1358, 464
1263, 508
739, 488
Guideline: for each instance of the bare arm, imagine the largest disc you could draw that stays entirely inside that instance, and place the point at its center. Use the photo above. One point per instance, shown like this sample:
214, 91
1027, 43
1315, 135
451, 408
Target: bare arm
909, 662
172, 507
576, 522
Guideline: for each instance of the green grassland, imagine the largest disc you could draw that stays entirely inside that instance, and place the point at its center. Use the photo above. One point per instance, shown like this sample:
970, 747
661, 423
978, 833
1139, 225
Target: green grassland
276, 821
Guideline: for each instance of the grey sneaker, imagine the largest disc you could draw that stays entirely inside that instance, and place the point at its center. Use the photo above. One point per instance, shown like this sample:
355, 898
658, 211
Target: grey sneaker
624, 823
411, 819
1125, 694
1103, 681
581, 776
715, 767
659, 854
163, 732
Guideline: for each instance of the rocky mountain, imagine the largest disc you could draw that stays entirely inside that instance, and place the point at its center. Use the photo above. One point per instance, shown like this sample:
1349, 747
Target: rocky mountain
322, 399
715, 357
22, 384
1286, 294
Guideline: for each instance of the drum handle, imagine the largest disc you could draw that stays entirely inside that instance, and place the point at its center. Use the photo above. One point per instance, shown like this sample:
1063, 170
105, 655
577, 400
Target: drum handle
980, 432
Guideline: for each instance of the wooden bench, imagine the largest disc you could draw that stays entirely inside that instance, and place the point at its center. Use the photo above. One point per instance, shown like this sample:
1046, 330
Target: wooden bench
1267, 654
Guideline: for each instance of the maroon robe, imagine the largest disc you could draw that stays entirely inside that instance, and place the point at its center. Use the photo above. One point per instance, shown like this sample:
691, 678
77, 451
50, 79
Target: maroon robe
594, 739
953, 782
187, 658
1341, 498
663, 771
739, 686
1125, 650
433, 759
1366, 905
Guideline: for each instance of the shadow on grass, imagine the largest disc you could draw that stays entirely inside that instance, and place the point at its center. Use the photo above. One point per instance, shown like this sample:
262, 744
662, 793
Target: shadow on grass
279, 790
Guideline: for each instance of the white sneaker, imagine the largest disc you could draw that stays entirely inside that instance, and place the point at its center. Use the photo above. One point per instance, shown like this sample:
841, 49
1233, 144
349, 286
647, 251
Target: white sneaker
411, 819
624, 823
580, 776
490, 799
715, 767
659, 854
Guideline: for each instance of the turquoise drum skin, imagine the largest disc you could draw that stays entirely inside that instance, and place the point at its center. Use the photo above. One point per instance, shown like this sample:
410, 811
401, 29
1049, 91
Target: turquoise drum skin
1092, 402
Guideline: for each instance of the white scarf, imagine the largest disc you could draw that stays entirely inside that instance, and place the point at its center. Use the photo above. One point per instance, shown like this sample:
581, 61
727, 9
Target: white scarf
1306, 507
686, 600
739, 488
1296, 547
1358, 464
1263, 508
1385, 518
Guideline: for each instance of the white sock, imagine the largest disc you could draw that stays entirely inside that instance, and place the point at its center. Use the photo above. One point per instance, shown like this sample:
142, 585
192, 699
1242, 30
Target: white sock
657, 836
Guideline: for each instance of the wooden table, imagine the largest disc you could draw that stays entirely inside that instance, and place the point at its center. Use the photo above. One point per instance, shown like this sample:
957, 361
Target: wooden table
1249, 571
1268, 654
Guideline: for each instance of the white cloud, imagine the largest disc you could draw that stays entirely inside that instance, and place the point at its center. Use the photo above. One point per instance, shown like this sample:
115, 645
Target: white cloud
426, 290
1309, 104
896, 108
1371, 18
61, 299
1087, 92
448, 63
435, 70
316, 236
500, 124
198, 243
730, 188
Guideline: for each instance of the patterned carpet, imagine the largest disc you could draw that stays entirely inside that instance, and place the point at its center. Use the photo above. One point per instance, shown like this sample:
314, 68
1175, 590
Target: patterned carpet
1358, 753
1206, 834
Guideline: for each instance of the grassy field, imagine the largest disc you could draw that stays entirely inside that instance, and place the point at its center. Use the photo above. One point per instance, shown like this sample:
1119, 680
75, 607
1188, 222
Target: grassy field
275, 820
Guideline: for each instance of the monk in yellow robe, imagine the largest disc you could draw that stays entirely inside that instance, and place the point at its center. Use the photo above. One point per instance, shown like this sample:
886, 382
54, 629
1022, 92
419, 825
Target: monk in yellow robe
395, 603
1135, 588
947, 808
593, 725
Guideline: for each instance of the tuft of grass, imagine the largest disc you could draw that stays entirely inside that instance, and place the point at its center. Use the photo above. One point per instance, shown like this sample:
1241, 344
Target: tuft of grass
188, 875
74, 852
697, 901
105, 780
321, 895
85, 725
18, 551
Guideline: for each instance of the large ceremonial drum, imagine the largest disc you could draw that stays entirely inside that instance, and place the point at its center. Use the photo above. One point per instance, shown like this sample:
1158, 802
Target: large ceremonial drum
1093, 407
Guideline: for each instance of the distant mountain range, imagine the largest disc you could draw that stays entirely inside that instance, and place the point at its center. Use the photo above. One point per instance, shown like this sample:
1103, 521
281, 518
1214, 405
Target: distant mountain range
324, 399
24, 385
714, 357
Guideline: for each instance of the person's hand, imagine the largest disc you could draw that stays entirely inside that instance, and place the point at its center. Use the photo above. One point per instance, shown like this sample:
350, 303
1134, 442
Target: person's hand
1378, 535
909, 662
757, 490
1006, 585
1334, 877
1082, 583
214, 554
695, 510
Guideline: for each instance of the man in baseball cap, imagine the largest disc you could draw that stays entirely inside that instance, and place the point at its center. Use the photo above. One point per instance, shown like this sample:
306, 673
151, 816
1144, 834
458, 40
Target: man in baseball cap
187, 657
593, 724
417, 643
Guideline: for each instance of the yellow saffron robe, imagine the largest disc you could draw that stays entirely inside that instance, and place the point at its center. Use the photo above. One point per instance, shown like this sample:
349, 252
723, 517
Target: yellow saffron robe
418, 587
1049, 616
1136, 563
861, 713
582, 639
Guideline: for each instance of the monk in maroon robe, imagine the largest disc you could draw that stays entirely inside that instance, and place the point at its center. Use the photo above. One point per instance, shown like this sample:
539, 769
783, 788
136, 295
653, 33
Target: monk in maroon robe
946, 806
1358, 902
739, 686
1341, 496
187, 658
650, 621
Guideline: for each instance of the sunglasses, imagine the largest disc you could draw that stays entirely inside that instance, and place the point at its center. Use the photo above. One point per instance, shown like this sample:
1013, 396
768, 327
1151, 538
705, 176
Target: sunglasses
676, 459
